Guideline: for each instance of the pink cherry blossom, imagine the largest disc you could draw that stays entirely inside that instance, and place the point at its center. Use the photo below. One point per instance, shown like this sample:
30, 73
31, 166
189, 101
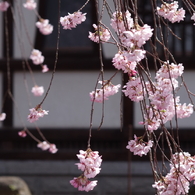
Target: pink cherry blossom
121, 62
43, 145
2, 116
193, 17
171, 12
168, 70
134, 89
44, 27
22, 133
103, 34
117, 21
47, 146
136, 37
36, 57
72, 20
107, 90
135, 55
52, 148
139, 147
36, 113
90, 163
184, 110
83, 184
45, 68
177, 180
30, 4
4, 6
37, 90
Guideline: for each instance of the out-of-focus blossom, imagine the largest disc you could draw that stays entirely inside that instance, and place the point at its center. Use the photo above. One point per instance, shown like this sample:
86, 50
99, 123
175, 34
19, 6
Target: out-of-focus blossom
45, 68
22, 133
36, 57
2, 116
30, 4
44, 27
37, 90
4, 6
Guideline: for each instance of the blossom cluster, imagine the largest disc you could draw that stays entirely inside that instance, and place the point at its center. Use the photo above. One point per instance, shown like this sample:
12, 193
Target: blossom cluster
163, 104
138, 146
30, 4
44, 27
72, 20
101, 33
4, 6
36, 113
37, 90
37, 57
47, 146
182, 172
133, 37
90, 163
171, 12
134, 89
102, 94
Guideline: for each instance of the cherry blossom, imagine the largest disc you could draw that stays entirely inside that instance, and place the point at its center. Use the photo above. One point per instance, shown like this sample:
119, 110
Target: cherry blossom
107, 90
30, 4
43, 145
177, 180
134, 89
4, 6
90, 163
83, 184
45, 68
103, 34
2, 116
44, 27
52, 148
162, 104
193, 17
36, 113
168, 70
22, 133
136, 36
171, 12
184, 110
36, 57
47, 146
121, 62
117, 21
72, 20
135, 55
37, 90
139, 147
